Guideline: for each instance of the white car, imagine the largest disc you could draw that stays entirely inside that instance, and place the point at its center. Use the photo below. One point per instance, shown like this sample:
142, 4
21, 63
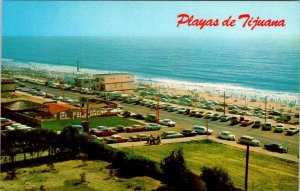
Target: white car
202, 130
279, 128
248, 140
167, 122
227, 135
292, 130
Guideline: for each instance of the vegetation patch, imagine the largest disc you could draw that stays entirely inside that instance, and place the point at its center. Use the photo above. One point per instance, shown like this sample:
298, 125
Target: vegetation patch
70, 177
58, 125
265, 172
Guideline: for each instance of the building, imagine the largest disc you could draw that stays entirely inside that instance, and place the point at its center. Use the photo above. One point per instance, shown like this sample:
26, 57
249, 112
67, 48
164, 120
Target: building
80, 81
8, 85
114, 82
27, 112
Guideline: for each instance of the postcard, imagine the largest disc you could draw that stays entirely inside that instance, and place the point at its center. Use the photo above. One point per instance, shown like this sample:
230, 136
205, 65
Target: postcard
150, 95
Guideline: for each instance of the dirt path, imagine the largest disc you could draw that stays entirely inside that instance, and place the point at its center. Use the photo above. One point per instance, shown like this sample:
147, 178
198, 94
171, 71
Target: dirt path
231, 143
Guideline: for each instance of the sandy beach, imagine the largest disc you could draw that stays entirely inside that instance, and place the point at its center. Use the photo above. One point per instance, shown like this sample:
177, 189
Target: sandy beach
285, 102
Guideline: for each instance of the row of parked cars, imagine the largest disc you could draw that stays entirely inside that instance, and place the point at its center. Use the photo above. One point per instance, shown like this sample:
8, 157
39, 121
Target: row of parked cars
10, 125
38, 92
196, 130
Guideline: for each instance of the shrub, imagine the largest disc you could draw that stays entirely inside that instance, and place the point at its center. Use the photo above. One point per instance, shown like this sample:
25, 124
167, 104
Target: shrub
216, 179
178, 174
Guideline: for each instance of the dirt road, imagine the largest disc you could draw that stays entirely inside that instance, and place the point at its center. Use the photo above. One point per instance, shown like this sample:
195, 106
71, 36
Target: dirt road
231, 143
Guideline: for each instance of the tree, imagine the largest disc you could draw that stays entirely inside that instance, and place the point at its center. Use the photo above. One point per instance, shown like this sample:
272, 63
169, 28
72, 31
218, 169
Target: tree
178, 174
216, 179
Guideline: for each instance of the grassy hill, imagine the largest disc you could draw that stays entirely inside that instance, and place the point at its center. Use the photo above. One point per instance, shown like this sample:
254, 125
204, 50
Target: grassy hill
265, 172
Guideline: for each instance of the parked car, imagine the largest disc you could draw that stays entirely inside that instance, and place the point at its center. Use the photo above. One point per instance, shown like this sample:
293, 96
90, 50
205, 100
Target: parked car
151, 118
153, 126
292, 130
216, 116
171, 134
247, 122
140, 116
202, 130
208, 115
78, 127
234, 120
193, 113
279, 128
267, 126
115, 139
276, 148
200, 114
189, 132
220, 109
140, 137
181, 110
256, 124
227, 135
248, 140
5, 122
167, 122
136, 128
225, 118
102, 133
119, 128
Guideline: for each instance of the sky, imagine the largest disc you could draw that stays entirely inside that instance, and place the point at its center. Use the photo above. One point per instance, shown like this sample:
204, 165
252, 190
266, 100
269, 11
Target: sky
142, 18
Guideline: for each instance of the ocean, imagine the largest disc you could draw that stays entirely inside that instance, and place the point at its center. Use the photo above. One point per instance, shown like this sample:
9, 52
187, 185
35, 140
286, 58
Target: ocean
260, 64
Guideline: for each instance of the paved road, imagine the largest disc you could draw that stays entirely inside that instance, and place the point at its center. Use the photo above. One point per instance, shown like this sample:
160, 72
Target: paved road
184, 122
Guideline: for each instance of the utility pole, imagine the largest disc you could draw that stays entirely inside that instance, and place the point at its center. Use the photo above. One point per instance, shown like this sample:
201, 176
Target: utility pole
157, 106
81, 105
63, 90
246, 173
206, 122
87, 109
224, 104
266, 109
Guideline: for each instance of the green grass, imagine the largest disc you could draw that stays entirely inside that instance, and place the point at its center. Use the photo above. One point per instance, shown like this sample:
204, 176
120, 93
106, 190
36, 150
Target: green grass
58, 125
265, 172
66, 177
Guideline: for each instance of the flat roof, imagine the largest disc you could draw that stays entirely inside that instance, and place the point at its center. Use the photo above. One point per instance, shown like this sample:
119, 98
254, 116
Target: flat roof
108, 74
22, 105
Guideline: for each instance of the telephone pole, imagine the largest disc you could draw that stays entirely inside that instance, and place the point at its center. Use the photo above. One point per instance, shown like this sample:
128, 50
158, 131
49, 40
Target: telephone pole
246, 173
224, 104
157, 106
206, 123
266, 109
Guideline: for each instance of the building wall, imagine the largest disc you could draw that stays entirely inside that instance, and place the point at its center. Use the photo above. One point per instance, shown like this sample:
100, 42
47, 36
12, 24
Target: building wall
114, 82
84, 82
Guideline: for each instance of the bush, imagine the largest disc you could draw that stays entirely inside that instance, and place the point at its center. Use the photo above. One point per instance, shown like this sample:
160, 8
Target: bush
178, 174
216, 179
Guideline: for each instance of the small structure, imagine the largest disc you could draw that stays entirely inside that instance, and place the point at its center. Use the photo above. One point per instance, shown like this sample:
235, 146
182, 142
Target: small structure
114, 82
8, 85
23, 111
61, 111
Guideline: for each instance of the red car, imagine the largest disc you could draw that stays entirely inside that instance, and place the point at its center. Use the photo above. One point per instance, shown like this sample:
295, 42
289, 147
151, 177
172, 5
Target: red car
101, 133
140, 137
246, 122
5, 122
136, 128
115, 139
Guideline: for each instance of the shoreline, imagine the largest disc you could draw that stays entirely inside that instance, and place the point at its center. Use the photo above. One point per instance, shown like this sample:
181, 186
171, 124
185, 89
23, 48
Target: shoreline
209, 91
